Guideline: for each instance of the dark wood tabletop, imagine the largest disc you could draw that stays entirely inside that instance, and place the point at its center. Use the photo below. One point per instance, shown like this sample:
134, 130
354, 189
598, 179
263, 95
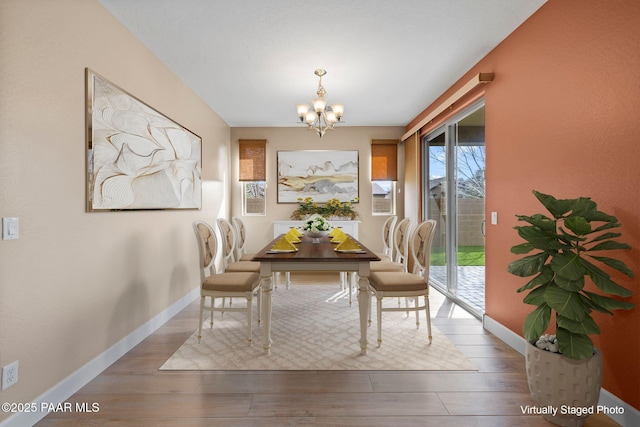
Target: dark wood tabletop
323, 251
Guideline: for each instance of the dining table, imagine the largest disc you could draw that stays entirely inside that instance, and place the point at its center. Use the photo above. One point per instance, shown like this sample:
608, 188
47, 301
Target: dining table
315, 253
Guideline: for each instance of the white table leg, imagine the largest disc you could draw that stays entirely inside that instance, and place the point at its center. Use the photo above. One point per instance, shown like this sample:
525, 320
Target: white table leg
266, 288
363, 305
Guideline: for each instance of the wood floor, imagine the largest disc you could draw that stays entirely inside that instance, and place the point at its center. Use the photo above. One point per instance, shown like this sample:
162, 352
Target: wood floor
133, 392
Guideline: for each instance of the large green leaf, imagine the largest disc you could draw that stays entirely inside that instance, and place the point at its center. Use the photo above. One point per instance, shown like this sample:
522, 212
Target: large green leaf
556, 207
535, 236
603, 281
570, 285
591, 305
585, 326
614, 263
522, 248
607, 303
540, 221
537, 322
567, 265
605, 236
578, 225
528, 266
603, 217
609, 245
545, 276
607, 226
583, 207
574, 346
536, 296
566, 303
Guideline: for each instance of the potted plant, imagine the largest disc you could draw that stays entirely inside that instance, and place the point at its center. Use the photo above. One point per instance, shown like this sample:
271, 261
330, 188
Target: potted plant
331, 209
569, 245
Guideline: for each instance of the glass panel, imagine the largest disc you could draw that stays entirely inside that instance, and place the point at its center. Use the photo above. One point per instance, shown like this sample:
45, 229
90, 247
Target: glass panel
470, 174
253, 198
454, 160
436, 206
383, 197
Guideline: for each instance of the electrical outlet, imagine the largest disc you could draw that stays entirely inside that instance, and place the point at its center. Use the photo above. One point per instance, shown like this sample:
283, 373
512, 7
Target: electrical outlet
9, 375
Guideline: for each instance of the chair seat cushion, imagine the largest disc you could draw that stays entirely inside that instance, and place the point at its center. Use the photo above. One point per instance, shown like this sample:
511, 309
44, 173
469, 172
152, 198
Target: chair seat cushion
387, 281
247, 257
231, 282
387, 266
251, 266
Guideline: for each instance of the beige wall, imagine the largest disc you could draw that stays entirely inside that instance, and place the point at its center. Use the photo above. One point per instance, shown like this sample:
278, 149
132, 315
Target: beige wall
75, 283
344, 138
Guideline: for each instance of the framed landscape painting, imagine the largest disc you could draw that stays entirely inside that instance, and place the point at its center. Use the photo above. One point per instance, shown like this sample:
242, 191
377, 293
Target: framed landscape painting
137, 158
319, 174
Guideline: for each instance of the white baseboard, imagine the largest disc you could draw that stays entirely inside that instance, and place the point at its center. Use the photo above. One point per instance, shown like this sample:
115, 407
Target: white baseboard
74, 382
620, 411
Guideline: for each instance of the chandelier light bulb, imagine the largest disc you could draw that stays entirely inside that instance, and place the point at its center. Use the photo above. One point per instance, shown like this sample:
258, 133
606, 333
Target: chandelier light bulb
338, 110
303, 109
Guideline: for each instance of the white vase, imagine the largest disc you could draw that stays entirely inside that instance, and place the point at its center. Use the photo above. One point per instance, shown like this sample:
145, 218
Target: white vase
564, 384
316, 234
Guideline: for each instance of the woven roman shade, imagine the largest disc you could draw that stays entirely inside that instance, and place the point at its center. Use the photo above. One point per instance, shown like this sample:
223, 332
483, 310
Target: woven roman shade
252, 153
384, 160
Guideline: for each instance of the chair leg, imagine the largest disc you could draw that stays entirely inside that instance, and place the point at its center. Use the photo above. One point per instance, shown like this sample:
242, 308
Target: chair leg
428, 312
250, 315
417, 302
202, 297
213, 302
379, 304
287, 279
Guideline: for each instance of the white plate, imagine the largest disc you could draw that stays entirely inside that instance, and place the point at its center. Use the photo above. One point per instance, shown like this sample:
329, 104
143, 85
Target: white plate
351, 251
280, 251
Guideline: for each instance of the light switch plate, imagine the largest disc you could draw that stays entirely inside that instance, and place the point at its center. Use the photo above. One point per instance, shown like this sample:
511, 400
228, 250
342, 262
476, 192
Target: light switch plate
494, 218
10, 228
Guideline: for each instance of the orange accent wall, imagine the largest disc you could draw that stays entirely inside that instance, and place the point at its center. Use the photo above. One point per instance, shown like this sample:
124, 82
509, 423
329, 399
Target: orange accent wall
563, 117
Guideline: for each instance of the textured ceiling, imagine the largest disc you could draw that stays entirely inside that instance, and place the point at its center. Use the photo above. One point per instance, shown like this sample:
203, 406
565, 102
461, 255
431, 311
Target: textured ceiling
252, 61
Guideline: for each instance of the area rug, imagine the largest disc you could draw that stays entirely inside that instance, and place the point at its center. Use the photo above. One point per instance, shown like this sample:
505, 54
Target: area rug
313, 327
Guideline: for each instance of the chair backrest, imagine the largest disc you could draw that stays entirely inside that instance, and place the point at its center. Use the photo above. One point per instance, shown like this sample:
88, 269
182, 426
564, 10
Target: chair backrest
387, 235
420, 247
228, 241
207, 247
401, 242
241, 236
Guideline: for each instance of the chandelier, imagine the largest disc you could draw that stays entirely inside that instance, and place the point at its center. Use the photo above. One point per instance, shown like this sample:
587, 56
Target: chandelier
323, 117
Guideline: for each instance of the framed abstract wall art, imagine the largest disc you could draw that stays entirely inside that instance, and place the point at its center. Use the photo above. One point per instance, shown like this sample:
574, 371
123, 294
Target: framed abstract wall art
137, 158
319, 174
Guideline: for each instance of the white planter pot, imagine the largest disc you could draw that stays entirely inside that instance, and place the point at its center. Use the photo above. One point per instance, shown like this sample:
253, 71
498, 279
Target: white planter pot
571, 387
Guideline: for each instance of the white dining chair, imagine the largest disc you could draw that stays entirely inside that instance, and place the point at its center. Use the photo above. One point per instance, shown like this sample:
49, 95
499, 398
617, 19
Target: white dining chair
406, 285
223, 285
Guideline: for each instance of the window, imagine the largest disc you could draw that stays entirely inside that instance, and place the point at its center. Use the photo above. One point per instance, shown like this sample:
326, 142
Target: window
384, 197
253, 200
252, 174
384, 174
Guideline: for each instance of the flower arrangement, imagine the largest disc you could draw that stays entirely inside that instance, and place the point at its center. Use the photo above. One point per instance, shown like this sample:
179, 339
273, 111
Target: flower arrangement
332, 208
316, 224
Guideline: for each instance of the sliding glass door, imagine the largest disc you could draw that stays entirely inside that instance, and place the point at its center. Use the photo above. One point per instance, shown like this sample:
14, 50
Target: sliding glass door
454, 167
